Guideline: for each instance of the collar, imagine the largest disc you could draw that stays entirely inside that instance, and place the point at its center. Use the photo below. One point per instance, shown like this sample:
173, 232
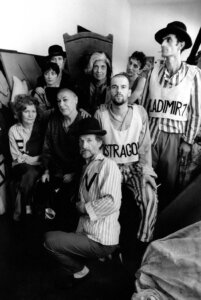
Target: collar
177, 77
178, 73
99, 156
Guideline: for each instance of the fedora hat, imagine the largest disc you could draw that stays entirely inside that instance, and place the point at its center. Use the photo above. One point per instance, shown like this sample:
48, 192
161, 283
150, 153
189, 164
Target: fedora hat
90, 126
56, 50
177, 28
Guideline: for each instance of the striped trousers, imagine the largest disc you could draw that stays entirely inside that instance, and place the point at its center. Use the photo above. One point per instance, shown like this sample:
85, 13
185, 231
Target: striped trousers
145, 197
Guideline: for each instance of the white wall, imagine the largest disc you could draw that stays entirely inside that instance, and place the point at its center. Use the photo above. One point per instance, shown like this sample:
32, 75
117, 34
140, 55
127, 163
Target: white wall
147, 17
32, 26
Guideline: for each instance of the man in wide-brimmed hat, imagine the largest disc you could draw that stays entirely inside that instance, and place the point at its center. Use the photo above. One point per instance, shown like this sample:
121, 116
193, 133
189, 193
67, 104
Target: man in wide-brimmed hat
172, 99
97, 234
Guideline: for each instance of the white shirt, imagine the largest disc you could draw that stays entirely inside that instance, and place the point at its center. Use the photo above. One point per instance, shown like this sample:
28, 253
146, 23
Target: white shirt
100, 190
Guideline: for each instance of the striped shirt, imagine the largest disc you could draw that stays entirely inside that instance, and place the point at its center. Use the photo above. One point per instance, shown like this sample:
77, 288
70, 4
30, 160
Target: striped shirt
18, 137
188, 129
100, 190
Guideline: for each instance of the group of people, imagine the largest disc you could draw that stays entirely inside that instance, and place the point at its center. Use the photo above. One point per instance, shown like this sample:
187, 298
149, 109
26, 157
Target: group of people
90, 141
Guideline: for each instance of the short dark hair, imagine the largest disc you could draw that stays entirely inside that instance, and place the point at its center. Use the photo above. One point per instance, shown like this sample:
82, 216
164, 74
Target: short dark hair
50, 66
180, 40
20, 104
140, 56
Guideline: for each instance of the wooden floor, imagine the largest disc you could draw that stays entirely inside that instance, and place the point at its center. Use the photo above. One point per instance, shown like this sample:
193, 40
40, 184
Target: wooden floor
26, 273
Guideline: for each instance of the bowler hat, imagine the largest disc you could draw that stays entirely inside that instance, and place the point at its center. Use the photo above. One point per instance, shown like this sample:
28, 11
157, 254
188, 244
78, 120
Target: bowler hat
56, 50
90, 126
177, 28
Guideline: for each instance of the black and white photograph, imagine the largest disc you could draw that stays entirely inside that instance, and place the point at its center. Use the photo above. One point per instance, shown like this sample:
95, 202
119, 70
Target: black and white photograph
100, 150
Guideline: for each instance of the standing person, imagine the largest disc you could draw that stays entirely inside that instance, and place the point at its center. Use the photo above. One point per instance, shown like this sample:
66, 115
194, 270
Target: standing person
137, 77
172, 99
58, 56
128, 143
26, 139
93, 88
97, 234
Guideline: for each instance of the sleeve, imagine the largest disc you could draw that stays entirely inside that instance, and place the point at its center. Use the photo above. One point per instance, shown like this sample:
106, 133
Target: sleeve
194, 113
97, 116
16, 154
137, 93
145, 156
47, 153
109, 196
42, 98
145, 93
99, 112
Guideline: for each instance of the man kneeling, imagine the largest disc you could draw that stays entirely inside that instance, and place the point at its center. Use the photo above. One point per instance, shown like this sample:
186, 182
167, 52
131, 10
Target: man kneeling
97, 234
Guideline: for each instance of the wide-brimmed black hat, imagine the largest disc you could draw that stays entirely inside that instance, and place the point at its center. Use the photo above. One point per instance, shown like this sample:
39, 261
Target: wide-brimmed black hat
56, 50
90, 126
177, 28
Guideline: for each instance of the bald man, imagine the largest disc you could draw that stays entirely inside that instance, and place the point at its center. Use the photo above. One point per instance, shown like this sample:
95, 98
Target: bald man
61, 158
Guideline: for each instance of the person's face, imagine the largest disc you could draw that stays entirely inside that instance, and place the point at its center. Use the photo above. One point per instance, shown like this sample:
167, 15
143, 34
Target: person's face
50, 77
170, 46
59, 60
99, 70
89, 146
67, 102
29, 115
133, 67
120, 91
148, 66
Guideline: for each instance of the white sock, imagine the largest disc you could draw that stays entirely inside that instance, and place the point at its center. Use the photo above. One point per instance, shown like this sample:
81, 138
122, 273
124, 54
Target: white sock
81, 273
28, 210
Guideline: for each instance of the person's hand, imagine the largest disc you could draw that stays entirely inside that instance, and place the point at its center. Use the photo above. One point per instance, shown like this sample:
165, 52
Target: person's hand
84, 113
32, 160
22, 158
45, 177
68, 177
147, 179
40, 90
103, 107
184, 153
81, 207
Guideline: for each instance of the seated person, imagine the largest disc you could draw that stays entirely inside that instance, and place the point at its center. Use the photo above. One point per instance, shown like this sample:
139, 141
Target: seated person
97, 234
46, 94
58, 56
26, 139
61, 158
137, 77
93, 89
128, 143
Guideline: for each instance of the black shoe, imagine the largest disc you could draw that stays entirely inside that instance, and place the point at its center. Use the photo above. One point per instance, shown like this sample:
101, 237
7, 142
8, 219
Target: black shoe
64, 285
63, 280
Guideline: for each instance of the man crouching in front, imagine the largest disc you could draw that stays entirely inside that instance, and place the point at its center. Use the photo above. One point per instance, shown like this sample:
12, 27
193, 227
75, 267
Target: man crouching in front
97, 234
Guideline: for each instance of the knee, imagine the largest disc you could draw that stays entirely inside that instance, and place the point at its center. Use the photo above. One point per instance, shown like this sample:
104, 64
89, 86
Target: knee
50, 241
